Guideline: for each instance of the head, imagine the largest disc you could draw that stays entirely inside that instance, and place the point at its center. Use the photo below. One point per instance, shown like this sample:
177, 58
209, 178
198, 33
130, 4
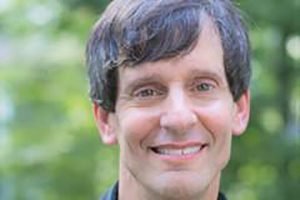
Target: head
167, 77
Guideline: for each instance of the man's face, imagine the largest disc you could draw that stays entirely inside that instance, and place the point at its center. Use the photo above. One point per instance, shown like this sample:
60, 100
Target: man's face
174, 121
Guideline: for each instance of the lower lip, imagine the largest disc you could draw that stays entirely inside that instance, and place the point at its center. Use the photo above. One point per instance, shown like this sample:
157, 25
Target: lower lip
180, 158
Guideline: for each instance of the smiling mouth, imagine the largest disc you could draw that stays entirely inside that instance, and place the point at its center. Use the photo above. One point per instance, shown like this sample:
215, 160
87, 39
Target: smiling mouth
178, 151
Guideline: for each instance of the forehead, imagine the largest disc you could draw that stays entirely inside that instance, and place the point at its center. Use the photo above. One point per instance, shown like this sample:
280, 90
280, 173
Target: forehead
206, 57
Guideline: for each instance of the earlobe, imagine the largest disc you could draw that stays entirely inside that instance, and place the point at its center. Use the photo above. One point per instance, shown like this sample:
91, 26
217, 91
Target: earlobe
105, 125
242, 114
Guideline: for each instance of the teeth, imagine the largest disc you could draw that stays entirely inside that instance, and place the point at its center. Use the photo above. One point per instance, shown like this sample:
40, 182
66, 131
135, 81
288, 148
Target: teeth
170, 151
190, 150
178, 152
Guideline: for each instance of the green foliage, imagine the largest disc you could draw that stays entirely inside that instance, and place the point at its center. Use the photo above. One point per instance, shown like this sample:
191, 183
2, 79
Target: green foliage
50, 147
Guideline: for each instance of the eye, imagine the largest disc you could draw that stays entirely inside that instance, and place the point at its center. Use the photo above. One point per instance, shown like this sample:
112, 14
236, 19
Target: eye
147, 93
204, 87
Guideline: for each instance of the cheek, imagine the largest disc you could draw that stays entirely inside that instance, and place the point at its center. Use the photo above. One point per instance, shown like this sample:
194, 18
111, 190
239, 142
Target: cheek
135, 125
217, 121
134, 130
217, 118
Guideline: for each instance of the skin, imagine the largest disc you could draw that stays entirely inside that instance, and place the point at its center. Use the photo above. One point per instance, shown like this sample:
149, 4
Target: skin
174, 104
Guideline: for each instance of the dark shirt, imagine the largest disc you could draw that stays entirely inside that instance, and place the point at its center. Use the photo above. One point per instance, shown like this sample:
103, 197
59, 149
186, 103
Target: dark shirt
112, 194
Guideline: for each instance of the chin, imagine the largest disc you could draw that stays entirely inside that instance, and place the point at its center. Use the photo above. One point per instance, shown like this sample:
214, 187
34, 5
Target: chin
183, 186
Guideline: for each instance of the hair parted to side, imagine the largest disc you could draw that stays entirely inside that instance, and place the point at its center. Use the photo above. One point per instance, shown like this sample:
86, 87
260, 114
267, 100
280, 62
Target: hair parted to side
131, 32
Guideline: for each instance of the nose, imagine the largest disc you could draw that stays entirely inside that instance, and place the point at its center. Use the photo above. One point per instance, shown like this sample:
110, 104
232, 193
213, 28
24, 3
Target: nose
178, 115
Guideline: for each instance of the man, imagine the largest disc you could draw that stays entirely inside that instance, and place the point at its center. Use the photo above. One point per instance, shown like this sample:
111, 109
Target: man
169, 82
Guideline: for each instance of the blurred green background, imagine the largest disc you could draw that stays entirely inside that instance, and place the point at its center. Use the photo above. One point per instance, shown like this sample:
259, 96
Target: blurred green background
49, 146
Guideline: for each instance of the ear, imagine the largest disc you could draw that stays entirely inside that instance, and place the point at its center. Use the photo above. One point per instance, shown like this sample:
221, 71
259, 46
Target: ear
105, 125
242, 114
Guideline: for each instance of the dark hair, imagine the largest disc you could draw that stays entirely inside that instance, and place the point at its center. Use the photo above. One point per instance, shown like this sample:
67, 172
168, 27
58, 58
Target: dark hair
131, 32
